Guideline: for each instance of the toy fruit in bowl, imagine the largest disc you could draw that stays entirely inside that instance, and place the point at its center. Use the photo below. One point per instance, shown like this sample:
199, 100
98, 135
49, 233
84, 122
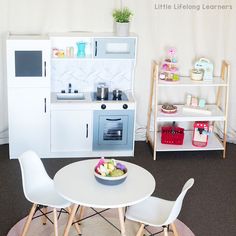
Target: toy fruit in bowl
110, 172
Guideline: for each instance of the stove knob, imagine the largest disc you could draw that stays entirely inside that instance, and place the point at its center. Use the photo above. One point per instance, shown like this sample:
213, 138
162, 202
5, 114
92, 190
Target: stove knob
103, 106
125, 106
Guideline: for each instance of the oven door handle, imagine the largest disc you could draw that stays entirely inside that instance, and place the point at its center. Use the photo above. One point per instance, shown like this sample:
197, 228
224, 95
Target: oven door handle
113, 119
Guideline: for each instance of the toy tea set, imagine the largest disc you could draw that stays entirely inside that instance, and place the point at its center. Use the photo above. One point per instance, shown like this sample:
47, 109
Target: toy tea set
110, 172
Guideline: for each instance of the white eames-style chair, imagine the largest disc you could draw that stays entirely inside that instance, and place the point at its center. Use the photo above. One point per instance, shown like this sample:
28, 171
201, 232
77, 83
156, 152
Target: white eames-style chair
158, 212
39, 189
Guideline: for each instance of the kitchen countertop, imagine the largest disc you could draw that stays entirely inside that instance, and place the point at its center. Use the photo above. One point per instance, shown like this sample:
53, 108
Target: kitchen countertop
88, 103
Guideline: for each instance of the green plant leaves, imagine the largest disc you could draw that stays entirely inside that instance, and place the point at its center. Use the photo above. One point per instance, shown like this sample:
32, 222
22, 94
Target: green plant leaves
122, 15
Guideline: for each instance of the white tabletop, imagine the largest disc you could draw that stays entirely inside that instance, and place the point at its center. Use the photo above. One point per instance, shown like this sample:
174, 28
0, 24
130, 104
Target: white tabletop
76, 183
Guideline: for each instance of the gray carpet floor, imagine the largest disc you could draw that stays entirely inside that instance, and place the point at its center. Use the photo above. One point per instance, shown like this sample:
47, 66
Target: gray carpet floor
209, 208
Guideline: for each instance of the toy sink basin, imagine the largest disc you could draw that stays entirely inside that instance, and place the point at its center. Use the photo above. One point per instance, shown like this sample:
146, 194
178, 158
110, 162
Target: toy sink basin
70, 96
107, 180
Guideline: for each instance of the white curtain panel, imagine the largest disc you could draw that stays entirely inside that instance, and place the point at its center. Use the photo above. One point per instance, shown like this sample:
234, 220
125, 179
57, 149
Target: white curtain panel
192, 29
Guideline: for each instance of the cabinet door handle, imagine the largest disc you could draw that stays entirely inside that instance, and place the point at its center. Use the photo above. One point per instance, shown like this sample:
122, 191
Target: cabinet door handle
86, 130
96, 48
45, 105
113, 119
45, 69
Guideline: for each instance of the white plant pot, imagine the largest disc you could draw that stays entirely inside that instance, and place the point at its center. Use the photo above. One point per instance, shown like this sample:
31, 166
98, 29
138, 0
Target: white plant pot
121, 29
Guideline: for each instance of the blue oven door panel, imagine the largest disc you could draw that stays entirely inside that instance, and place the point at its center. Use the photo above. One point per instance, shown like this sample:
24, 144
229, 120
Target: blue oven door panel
113, 130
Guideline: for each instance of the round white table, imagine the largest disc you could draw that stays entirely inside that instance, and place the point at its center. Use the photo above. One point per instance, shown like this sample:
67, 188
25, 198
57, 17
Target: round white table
76, 183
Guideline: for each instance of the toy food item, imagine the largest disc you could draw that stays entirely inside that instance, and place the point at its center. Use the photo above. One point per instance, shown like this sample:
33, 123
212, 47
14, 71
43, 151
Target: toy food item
110, 168
117, 172
168, 108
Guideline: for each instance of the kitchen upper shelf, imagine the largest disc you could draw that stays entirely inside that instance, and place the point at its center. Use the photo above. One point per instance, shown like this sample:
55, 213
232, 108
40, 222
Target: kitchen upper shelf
216, 114
187, 81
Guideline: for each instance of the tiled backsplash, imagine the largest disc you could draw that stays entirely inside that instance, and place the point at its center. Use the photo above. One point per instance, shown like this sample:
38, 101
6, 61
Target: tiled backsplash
84, 75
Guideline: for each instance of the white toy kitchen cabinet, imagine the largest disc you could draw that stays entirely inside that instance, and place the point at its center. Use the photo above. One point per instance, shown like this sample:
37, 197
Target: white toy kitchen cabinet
28, 61
29, 120
71, 130
28, 77
52, 85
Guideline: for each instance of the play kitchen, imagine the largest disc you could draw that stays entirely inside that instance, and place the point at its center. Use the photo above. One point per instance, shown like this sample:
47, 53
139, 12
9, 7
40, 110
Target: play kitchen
69, 97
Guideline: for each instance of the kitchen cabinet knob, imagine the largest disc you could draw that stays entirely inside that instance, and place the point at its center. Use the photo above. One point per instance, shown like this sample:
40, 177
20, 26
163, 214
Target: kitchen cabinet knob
103, 106
125, 106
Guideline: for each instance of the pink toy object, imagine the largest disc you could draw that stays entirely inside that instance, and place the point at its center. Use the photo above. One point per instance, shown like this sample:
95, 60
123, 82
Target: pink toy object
200, 133
169, 70
101, 162
172, 52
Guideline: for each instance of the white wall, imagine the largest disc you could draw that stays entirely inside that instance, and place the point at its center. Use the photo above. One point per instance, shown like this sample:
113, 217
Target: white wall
209, 33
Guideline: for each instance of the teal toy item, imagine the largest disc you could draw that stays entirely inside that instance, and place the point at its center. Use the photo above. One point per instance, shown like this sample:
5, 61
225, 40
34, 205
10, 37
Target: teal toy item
81, 49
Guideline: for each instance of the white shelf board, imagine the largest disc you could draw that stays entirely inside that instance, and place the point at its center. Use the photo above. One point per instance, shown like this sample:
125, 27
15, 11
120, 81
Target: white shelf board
70, 58
54, 59
216, 115
187, 81
213, 143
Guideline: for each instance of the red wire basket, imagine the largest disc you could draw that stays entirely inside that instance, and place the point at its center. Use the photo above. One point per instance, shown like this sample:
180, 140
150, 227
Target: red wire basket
172, 135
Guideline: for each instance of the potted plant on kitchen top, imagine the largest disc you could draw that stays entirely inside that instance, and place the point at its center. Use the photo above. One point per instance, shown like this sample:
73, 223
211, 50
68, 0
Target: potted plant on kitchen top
122, 18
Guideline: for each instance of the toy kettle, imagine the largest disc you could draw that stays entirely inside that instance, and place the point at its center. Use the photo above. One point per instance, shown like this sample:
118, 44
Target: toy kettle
207, 67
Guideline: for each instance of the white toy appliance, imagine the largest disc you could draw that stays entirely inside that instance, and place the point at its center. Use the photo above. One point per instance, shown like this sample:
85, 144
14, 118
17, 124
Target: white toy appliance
207, 67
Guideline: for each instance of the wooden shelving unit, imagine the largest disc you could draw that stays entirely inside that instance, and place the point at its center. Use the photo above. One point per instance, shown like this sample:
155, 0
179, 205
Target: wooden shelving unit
218, 112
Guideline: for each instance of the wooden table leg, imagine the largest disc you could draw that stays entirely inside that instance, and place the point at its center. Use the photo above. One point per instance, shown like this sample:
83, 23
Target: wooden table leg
70, 220
81, 213
75, 224
122, 223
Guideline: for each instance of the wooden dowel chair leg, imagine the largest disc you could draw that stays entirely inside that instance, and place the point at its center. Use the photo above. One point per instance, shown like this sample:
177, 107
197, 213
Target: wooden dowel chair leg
27, 223
174, 229
75, 224
140, 231
55, 221
165, 231
44, 218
